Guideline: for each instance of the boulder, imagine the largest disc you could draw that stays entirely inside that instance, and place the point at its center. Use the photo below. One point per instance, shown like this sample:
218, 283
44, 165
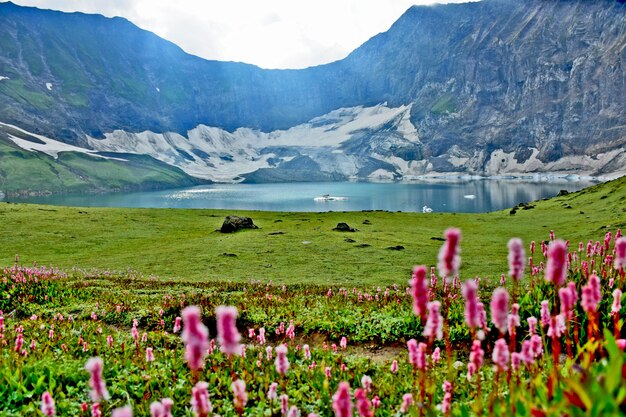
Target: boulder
562, 193
343, 227
234, 223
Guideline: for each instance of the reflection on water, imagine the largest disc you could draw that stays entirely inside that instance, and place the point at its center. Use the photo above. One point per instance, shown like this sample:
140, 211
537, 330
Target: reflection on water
449, 196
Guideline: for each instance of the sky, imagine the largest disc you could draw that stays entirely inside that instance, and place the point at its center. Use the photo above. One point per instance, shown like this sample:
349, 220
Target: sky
267, 33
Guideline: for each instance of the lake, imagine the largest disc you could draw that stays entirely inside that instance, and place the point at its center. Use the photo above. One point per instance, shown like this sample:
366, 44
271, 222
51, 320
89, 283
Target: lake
472, 196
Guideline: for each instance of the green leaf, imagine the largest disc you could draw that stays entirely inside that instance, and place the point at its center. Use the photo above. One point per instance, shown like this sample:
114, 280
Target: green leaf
583, 395
616, 360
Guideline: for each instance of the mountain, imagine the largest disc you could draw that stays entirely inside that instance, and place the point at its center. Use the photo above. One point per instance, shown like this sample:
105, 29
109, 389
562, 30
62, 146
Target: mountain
488, 88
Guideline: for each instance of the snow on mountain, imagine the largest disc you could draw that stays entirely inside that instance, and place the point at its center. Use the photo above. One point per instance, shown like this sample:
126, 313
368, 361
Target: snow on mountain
222, 156
46, 145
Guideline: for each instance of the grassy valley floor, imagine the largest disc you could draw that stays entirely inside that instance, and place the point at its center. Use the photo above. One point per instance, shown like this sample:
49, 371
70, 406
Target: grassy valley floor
292, 248
53, 322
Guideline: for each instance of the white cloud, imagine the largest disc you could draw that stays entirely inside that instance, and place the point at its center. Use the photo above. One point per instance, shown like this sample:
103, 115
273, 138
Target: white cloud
268, 33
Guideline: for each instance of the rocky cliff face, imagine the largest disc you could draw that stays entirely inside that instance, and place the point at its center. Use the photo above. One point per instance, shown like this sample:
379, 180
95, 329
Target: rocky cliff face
493, 87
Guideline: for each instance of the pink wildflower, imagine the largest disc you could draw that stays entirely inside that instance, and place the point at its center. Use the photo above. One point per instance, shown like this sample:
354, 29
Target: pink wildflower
419, 291
449, 258
284, 403
307, 352
96, 382
476, 357
446, 404
394, 366
516, 259
227, 334
366, 383
434, 324
436, 355
592, 294
95, 410
516, 359
167, 407
532, 325
240, 394
482, 315
200, 403
291, 330
125, 411
363, 404
573, 293
19, 342
47, 405
417, 354
196, 338
470, 293
293, 412
176, 328
156, 409
327, 371
282, 363
567, 301
376, 402
513, 318
499, 309
617, 302
526, 355
621, 343
343, 343
407, 402
149, 355
501, 355
557, 326
620, 254
556, 269
537, 345
261, 336
271, 393
342, 403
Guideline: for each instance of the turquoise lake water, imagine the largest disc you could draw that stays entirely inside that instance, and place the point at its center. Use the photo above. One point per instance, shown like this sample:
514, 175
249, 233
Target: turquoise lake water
470, 196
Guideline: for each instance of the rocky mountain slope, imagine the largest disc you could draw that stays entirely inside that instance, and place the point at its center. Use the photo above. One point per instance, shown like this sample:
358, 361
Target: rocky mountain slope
492, 87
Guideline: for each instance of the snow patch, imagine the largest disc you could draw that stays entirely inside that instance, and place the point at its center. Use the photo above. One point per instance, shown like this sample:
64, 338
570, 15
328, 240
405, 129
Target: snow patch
49, 86
3, 78
583, 166
50, 146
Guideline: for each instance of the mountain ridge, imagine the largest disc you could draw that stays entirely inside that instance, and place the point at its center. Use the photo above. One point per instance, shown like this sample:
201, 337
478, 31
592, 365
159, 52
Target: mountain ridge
537, 80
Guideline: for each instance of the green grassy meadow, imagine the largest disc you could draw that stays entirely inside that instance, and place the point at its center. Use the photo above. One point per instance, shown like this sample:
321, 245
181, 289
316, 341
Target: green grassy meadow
293, 248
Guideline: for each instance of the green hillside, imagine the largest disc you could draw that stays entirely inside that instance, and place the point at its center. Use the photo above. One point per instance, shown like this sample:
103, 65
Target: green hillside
23, 171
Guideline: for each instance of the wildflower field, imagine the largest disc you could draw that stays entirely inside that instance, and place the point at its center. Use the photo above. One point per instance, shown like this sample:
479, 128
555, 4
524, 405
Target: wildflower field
541, 336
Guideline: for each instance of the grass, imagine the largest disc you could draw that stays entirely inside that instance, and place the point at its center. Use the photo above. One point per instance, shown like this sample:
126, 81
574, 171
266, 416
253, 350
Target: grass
444, 104
184, 244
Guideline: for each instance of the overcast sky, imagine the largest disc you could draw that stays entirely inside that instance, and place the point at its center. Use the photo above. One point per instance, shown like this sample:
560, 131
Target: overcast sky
267, 33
